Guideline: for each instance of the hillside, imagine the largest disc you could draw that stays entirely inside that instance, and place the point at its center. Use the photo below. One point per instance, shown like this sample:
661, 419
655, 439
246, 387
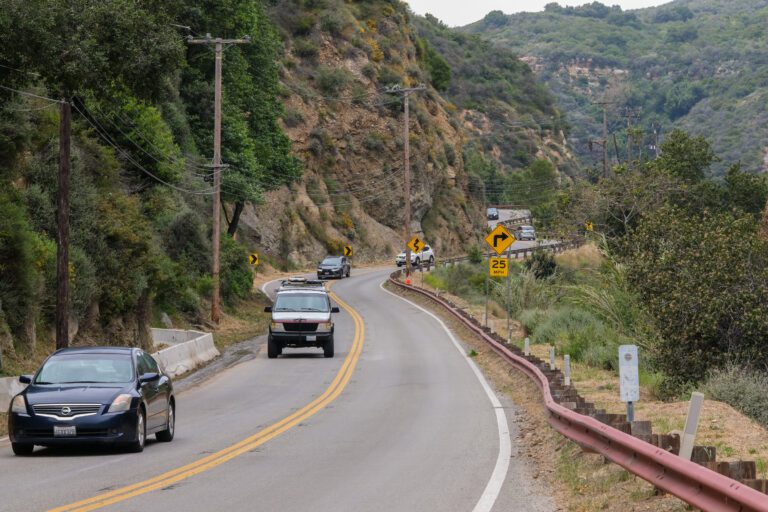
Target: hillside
313, 149
698, 65
339, 57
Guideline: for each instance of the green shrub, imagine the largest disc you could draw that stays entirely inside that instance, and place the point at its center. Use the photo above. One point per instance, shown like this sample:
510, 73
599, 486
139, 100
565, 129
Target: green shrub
580, 334
236, 274
531, 319
292, 118
305, 49
744, 390
374, 142
542, 264
332, 81
475, 254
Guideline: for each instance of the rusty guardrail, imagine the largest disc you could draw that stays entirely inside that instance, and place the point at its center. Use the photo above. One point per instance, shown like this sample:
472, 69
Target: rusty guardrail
555, 247
653, 461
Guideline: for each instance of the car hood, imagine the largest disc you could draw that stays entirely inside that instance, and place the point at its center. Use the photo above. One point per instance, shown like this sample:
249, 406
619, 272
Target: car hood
300, 316
74, 393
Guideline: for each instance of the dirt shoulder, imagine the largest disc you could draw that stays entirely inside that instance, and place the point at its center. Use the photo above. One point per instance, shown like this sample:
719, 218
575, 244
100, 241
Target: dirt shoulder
578, 481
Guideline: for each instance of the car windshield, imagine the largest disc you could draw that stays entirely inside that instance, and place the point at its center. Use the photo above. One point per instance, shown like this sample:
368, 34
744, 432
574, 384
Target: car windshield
86, 368
302, 302
526, 228
331, 261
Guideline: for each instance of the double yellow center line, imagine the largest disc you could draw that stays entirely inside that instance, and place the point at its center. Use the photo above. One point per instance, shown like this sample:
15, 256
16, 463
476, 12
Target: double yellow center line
216, 459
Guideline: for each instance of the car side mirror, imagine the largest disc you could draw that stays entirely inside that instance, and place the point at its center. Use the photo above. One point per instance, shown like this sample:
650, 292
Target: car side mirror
25, 379
267, 309
149, 377
335, 309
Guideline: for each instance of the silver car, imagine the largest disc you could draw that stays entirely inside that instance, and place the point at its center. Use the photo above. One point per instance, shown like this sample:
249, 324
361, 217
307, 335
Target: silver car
525, 233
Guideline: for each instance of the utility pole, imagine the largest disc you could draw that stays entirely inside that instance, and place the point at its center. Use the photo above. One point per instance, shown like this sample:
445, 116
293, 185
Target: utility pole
630, 114
604, 142
406, 92
62, 228
219, 50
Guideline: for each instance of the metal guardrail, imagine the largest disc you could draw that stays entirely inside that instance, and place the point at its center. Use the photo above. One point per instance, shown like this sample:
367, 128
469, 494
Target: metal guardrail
520, 253
689, 481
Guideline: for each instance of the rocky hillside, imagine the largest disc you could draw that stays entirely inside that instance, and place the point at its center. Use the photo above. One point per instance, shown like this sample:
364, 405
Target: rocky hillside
339, 57
698, 65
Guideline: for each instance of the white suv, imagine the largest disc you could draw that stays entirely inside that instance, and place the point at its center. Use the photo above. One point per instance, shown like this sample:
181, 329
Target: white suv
301, 317
426, 255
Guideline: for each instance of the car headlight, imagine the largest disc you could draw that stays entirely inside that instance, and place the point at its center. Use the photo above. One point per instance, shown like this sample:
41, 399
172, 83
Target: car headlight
326, 326
121, 404
19, 404
276, 326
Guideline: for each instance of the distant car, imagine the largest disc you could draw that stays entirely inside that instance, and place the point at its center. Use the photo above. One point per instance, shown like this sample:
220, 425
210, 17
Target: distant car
525, 233
492, 214
426, 255
334, 266
107, 395
301, 317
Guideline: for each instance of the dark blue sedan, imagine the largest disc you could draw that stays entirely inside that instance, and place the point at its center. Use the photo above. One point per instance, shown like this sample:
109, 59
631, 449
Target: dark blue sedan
106, 395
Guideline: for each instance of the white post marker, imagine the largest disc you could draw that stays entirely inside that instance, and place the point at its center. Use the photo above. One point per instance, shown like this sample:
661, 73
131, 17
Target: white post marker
691, 425
567, 369
527, 347
552, 358
629, 378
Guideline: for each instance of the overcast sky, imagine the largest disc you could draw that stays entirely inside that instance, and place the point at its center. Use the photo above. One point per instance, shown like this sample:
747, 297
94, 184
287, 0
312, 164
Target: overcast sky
462, 12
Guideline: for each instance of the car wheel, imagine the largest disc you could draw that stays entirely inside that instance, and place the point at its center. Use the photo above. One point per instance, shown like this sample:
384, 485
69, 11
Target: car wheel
273, 348
418, 262
166, 436
328, 347
431, 260
348, 271
137, 446
22, 449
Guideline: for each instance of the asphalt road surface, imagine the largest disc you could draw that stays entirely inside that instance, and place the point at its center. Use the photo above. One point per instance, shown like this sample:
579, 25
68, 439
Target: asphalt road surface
399, 420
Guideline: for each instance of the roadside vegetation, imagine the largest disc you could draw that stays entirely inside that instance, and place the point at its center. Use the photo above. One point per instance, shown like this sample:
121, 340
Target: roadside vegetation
141, 139
677, 265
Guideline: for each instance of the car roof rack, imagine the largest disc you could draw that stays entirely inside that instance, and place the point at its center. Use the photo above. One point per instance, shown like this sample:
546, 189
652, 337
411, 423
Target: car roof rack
301, 282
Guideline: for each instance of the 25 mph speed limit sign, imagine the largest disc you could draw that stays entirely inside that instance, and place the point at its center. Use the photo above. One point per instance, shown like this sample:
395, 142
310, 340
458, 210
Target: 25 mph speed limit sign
499, 267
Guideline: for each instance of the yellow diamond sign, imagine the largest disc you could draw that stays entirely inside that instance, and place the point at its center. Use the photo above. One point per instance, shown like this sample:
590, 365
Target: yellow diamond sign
499, 239
416, 244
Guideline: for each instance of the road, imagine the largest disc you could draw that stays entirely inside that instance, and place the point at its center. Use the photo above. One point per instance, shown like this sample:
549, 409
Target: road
505, 215
398, 420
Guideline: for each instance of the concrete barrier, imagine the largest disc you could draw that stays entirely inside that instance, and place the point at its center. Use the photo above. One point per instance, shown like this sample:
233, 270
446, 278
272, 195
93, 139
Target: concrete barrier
187, 351
9, 387
184, 356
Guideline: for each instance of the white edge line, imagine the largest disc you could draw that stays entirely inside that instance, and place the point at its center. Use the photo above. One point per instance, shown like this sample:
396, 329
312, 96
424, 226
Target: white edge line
499, 475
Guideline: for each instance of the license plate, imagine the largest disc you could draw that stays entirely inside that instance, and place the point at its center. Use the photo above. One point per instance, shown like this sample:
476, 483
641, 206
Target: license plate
68, 431
311, 338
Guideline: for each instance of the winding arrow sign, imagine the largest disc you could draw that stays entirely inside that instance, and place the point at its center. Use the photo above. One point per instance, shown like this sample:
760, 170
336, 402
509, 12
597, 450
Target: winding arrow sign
499, 239
416, 244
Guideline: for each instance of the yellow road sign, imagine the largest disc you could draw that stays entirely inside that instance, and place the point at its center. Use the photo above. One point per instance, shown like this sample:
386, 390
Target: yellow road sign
348, 250
589, 226
253, 259
416, 244
499, 239
499, 267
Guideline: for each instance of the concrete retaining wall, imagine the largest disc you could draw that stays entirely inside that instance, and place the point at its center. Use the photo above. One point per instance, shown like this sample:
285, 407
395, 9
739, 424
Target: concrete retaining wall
188, 350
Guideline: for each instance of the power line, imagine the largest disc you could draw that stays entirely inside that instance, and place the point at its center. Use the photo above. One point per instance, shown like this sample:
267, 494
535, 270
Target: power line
24, 93
128, 157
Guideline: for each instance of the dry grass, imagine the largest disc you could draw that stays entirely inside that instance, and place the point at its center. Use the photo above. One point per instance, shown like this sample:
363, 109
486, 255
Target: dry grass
584, 257
735, 436
3, 424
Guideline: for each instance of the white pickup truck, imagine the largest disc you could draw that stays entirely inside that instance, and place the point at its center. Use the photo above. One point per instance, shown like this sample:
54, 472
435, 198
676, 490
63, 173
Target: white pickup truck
426, 255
